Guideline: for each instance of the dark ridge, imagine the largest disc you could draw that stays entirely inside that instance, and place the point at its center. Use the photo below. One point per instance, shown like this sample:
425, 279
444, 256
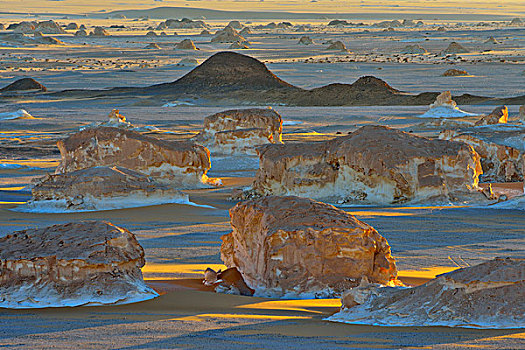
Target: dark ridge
24, 84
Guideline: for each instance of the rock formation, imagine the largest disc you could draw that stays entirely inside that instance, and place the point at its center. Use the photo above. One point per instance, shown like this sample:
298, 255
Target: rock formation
72, 26
521, 114
337, 46
186, 44
49, 27
501, 148
455, 73
492, 41
499, 115
188, 61
488, 295
228, 281
292, 246
24, 84
240, 130
445, 107
19, 114
152, 46
238, 46
81, 32
181, 163
235, 25
227, 35
357, 168
414, 49
245, 31
151, 33
305, 40
86, 263
99, 31
454, 48
99, 188
516, 22
205, 32
184, 23
47, 40
23, 27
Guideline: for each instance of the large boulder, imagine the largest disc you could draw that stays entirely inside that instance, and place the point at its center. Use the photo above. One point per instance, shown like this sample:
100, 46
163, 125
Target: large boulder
374, 164
292, 246
501, 148
86, 263
488, 295
100, 188
181, 163
240, 130
498, 115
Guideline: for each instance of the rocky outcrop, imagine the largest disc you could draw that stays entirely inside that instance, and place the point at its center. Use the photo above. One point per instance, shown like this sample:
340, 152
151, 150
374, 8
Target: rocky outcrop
414, 49
186, 44
180, 163
337, 46
99, 31
305, 40
86, 263
229, 281
240, 130
501, 148
492, 41
72, 26
184, 23
81, 32
24, 84
152, 46
227, 35
445, 107
359, 169
99, 188
238, 46
49, 27
454, 48
488, 295
292, 246
499, 115
23, 27
455, 73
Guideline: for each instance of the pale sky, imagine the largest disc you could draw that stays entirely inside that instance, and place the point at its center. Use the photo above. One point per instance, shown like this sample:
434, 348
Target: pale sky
496, 7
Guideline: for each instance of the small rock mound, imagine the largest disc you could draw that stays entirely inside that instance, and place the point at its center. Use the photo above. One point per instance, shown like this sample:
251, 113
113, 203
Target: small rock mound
86, 263
454, 73
152, 46
72, 26
292, 246
235, 25
499, 115
151, 33
414, 49
227, 35
516, 22
188, 61
245, 31
24, 84
99, 31
445, 107
488, 295
205, 32
492, 41
337, 46
81, 32
49, 27
305, 40
186, 44
238, 46
454, 48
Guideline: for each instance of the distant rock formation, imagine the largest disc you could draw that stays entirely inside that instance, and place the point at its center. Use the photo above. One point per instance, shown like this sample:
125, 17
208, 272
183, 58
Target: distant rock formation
516, 22
305, 40
297, 247
455, 73
72, 26
99, 188
338, 22
498, 115
240, 130
24, 84
188, 61
186, 44
23, 27
49, 27
337, 46
445, 107
388, 24
205, 32
454, 48
245, 31
488, 295
357, 169
238, 46
48, 40
151, 33
414, 49
81, 32
19, 114
152, 46
227, 35
521, 114
235, 25
86, 263
99, 31
184, 23
180, 163
492, 40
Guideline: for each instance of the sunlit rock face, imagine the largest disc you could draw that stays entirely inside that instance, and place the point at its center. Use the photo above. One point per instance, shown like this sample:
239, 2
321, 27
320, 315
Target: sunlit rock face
501, 148
374, 164
488, 295
292, 246
100, 188
180, 163
499, 115
86, 263
240, 130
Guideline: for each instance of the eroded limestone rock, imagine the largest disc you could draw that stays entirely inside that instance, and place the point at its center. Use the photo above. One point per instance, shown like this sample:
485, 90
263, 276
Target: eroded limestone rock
240, 130
499, 115
180, 163
86, 263
488, 295
290, 246
374, 164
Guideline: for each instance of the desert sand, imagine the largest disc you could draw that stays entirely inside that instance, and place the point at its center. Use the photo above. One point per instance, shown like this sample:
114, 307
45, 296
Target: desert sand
71, 91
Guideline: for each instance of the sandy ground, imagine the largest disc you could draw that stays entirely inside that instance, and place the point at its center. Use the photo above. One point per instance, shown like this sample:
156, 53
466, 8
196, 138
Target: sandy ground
180, 241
